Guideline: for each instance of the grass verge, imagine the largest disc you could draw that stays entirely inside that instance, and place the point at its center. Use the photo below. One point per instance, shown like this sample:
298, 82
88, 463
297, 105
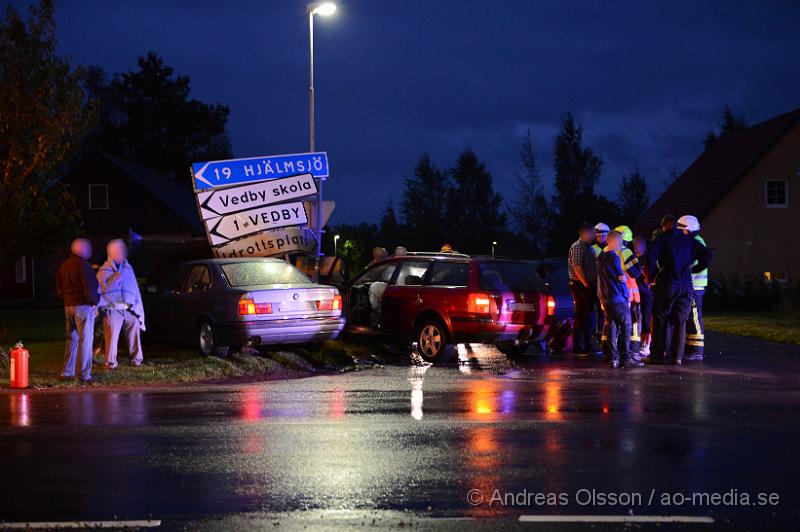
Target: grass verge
41, 330
775, 327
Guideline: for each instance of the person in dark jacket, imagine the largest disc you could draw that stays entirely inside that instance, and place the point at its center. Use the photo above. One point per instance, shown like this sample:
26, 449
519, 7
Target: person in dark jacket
645, 296
77, 286
612, 291
671, 260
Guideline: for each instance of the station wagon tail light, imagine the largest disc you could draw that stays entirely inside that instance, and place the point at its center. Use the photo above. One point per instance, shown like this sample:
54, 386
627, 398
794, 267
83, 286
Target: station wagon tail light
248, 307
479, 303
330, 304
551, 306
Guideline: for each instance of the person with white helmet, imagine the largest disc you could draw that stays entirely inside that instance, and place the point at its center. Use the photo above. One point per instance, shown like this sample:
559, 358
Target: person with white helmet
601, 231
671, 260
695, 331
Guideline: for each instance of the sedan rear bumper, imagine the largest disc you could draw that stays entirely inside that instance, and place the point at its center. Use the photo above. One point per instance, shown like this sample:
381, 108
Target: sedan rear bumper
281, 331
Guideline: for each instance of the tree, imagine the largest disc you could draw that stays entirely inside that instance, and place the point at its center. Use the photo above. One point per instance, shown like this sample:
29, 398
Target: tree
355, 245
474, 216
529, 209
43, 115
577, 170
422, 206
389, 229
730, 123
633, 197
149, 118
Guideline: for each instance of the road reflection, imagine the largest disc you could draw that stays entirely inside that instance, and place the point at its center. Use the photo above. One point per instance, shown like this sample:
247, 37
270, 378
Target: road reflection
416, 377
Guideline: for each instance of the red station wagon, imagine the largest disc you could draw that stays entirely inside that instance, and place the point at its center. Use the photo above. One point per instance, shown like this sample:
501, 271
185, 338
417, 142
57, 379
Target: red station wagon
439, 299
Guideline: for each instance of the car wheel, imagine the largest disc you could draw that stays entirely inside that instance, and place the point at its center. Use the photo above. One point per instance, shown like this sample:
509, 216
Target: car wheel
432, 341
207, 341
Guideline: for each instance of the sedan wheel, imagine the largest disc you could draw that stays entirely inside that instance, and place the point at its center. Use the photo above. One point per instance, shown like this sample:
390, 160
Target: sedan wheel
431, 340
206, 341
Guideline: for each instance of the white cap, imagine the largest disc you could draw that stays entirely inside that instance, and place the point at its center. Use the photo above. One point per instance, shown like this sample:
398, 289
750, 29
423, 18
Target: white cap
689, 222
602, 228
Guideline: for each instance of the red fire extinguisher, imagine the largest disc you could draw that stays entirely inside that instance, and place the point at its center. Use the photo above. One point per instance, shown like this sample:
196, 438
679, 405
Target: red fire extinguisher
19, 366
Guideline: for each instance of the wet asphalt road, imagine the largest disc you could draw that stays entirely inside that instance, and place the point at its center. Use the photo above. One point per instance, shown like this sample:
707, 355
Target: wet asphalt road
402, 446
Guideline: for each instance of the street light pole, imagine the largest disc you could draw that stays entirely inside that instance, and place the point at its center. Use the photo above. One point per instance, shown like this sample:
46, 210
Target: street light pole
324, 9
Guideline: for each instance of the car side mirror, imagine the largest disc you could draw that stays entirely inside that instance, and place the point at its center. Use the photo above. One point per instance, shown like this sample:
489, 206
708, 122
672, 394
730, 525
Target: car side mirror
413, 280
151, 289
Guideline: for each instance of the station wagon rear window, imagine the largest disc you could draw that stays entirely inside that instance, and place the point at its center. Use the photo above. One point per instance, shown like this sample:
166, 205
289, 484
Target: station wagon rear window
253, 273
510, 277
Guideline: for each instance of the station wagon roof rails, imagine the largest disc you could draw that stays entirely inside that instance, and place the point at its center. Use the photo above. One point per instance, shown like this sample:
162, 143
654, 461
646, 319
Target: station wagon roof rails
437, 254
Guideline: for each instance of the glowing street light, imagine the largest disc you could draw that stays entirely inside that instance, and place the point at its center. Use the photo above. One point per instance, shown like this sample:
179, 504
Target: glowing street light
494, 243
335, 244
322, 9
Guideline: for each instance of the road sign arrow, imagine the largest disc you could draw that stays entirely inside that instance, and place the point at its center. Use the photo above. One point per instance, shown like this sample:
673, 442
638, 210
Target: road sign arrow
222, 201
215, 174
232, 226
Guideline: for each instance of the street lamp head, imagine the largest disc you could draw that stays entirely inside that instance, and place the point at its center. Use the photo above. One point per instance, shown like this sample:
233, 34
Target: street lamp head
322, 8
336, 237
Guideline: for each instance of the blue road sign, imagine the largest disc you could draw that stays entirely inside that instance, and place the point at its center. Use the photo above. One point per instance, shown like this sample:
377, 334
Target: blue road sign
215, 174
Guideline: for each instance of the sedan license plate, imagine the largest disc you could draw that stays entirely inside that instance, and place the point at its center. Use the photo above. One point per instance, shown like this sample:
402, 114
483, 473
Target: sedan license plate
290, 306
513, 306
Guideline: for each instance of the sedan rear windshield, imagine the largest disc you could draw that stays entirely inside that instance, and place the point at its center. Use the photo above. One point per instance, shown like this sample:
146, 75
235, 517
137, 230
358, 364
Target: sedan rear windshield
510, 276
253, 273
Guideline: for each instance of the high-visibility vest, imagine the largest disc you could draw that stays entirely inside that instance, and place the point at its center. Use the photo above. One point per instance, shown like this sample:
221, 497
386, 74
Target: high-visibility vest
597, 250
628, 259
700, 280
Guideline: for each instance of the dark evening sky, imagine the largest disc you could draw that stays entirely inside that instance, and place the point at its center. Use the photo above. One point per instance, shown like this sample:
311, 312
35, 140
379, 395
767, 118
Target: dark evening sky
394, 79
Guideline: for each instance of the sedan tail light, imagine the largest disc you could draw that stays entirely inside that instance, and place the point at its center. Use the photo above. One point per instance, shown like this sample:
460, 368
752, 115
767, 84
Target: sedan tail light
248, 307
551, 306
330, 304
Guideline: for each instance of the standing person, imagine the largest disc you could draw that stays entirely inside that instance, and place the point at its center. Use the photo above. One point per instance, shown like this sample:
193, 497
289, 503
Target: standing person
695, 331
601, 234
632, 268
582, 266
121, 303
612, 290
671, 260
645, 296
378, 254
601, 231
77, 287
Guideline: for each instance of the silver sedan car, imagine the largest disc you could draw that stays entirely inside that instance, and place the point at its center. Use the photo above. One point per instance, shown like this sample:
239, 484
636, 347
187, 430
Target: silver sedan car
218, 304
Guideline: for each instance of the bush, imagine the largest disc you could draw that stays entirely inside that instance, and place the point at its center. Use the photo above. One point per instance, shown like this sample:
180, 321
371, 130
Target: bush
735, 293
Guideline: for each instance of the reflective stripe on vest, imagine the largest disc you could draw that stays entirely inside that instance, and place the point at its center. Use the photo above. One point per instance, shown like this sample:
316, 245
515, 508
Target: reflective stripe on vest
700, 280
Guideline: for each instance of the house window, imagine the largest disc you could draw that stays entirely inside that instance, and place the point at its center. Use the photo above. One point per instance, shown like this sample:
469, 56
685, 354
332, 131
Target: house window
98, 197
776, 276
21, 270
777, 193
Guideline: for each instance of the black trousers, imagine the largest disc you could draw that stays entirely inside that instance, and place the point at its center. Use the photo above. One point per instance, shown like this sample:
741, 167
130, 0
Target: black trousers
584, 298
672, 305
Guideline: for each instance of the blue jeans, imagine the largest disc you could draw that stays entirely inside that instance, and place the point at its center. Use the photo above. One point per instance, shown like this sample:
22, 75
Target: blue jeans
617, 330
80, 337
